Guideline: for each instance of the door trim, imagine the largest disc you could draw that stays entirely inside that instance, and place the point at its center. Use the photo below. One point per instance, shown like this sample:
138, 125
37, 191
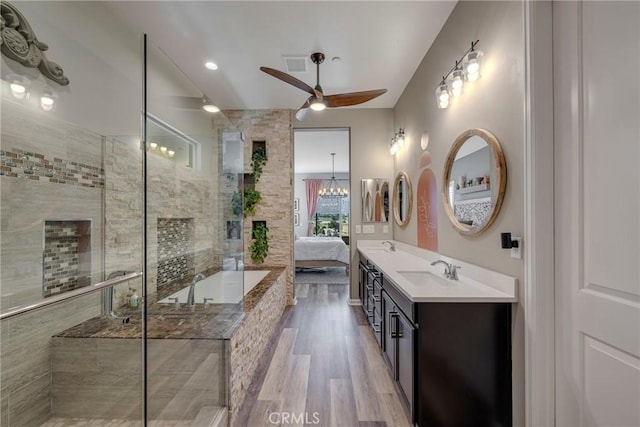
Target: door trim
539, 287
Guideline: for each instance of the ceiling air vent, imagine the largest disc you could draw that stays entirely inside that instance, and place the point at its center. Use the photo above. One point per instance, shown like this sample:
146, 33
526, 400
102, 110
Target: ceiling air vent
296, 64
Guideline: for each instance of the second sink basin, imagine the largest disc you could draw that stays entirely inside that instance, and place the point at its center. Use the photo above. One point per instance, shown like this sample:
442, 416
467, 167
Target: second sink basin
422, 278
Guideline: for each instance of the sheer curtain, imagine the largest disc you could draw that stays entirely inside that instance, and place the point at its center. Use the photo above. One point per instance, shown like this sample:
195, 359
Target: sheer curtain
312, 186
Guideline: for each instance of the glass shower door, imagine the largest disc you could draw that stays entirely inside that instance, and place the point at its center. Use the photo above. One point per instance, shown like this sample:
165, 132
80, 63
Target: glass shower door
193, 247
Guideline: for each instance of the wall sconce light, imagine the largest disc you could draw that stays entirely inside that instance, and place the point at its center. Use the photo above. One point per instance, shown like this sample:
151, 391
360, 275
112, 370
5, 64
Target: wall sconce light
18, 86
397, 142
47, 100
452, 83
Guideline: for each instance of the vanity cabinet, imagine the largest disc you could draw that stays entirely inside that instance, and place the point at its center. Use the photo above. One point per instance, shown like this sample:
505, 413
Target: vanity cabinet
451, 360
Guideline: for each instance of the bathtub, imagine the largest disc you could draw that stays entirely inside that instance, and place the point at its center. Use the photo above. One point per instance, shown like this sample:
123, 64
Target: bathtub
225, 287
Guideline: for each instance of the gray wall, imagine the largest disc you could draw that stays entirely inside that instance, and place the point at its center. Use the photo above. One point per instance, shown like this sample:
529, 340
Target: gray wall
495, 103
370, 133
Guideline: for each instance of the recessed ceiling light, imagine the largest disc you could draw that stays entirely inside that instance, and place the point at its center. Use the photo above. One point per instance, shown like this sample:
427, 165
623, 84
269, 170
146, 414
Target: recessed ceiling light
210, 65
210, 108
336, 59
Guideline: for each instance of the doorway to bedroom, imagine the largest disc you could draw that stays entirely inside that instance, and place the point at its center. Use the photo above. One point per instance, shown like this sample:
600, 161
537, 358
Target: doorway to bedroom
322, 207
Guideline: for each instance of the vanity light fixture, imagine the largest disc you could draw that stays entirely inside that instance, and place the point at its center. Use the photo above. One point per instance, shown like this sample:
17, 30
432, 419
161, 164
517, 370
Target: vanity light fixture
171, 153
397, 142
442, 95
153, 145
452, 83
163, 149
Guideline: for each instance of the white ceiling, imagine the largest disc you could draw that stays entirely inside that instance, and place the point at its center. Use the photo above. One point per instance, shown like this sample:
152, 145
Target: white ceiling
313, 147
381, 43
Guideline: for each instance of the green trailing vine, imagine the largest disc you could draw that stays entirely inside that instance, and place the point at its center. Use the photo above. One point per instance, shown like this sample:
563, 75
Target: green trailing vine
260, 245
258, 160
251, 199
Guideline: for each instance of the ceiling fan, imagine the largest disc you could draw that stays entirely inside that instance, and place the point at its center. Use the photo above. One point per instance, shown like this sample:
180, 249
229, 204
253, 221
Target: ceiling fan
318, 101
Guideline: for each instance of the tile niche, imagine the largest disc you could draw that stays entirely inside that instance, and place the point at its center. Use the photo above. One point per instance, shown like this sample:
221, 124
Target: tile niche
67, 256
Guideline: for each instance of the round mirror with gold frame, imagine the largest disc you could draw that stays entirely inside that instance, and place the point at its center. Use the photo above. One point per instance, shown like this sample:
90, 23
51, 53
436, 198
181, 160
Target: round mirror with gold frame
402, 199
474, 182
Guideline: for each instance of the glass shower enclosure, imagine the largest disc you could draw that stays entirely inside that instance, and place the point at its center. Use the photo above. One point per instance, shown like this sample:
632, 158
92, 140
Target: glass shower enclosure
121, 251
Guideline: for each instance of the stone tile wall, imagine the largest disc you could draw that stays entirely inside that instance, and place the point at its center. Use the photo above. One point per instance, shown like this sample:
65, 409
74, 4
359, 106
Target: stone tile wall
275, 184
251, 339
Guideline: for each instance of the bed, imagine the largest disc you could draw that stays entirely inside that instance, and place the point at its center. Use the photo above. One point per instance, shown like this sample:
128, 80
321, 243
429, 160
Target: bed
321, 252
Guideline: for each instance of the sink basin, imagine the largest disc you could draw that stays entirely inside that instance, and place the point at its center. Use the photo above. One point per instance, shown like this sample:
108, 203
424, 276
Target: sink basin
422, 278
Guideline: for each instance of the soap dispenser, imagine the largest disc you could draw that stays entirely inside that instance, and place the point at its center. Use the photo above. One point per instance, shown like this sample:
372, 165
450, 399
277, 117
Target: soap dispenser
134, 299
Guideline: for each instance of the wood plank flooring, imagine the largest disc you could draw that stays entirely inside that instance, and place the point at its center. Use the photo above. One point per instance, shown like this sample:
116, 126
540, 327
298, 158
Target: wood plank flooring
323, 368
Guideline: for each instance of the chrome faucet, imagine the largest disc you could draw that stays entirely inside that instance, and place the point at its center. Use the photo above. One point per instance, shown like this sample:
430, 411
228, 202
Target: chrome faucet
191, 298
392, 247
450, 270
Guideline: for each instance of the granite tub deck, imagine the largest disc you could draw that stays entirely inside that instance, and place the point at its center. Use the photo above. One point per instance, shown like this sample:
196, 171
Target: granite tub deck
193, 358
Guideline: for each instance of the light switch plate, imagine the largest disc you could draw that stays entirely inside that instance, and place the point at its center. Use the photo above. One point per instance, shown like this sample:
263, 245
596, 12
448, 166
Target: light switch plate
385, 228
517, 252
368, 229
358, 229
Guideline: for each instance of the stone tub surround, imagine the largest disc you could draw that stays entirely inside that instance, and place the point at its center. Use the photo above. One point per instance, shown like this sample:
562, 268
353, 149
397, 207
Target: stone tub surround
241, 337
264, 311
475, 284
219, 321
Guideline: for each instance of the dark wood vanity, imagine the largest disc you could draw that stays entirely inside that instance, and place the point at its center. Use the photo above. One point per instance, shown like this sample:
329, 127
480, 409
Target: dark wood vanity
450, 360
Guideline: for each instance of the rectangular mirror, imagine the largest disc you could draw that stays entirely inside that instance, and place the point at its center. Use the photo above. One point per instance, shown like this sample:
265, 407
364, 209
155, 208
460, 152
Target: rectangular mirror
375, 200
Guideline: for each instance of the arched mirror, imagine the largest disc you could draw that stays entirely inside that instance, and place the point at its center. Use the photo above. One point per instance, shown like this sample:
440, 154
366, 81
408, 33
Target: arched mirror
375, 200
368, 207
384, 191
402, 199
474, 183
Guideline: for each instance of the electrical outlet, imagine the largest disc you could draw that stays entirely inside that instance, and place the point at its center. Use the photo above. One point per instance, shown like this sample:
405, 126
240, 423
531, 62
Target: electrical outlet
358, 229
517, 252
385, 228
368, 229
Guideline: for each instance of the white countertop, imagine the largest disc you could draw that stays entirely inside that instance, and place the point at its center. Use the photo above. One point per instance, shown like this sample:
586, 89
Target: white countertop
474, 284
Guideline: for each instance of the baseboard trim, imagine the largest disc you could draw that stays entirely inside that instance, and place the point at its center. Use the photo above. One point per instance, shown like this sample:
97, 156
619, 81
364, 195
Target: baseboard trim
354, 302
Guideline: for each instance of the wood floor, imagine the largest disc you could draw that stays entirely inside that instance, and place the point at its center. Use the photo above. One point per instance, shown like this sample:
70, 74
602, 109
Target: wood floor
324, 368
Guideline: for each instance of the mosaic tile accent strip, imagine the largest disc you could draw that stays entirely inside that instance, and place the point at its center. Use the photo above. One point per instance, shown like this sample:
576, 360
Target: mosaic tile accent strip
34, 166
175, 249
472, 213
66, 263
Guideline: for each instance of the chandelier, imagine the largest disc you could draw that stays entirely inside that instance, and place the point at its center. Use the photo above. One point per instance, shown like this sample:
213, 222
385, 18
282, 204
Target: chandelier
333, 190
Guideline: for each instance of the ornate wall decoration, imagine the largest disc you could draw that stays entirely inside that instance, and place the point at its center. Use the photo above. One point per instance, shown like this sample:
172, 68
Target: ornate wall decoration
18, 41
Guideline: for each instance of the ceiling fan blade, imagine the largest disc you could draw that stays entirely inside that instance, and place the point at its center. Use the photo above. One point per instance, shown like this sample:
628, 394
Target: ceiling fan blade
288, 79
353, 98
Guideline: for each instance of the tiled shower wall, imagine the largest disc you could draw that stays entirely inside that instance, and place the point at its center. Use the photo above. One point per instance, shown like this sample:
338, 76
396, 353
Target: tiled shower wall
28, 198
175, 249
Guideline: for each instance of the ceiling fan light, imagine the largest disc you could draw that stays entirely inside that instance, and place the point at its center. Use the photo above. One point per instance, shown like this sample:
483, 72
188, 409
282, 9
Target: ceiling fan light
316, 105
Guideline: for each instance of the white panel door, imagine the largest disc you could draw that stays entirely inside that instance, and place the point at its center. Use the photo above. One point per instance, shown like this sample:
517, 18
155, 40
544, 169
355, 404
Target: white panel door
597, 213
